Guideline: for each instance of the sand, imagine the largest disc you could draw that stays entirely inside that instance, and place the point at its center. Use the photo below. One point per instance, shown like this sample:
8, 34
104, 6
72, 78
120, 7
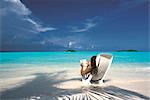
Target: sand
46, 79
136, 80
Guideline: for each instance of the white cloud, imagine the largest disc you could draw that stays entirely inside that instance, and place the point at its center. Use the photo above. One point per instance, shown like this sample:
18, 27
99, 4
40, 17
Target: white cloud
67, 41
70, 43
74, 42
17, 8
39, 27
87, 26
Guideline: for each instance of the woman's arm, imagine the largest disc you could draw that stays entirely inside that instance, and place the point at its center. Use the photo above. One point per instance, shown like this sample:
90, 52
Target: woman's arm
81, 71
86, 71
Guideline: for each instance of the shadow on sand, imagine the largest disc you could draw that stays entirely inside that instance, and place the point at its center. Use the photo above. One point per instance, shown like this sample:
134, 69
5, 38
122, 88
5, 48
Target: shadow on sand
43, 86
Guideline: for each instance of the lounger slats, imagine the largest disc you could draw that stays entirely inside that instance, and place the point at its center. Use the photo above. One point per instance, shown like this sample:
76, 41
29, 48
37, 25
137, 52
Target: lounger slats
104, 63
91, 95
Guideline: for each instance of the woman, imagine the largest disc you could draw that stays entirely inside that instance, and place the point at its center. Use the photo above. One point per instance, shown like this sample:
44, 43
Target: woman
91, 68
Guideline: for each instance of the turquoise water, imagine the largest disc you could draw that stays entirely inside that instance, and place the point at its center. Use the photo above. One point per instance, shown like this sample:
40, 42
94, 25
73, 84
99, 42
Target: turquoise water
69, 57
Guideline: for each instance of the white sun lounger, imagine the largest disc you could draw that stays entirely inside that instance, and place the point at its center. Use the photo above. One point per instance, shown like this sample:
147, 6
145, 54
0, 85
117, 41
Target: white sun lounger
103, 63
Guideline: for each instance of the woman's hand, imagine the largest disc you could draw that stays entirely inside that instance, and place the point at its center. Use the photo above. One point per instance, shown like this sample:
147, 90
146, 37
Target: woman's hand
81, 65
89, 63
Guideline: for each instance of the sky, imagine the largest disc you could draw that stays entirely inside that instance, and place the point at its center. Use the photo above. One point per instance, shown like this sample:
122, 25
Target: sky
83, 25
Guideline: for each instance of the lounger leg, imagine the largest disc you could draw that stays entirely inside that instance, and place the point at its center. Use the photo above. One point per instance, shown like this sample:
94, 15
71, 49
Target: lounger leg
101, 82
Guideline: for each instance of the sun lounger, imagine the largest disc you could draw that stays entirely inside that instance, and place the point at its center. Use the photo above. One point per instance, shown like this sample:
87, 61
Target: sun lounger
103, 63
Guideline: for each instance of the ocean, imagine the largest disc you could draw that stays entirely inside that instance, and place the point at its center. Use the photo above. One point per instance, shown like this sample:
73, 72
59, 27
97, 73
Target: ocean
55, 58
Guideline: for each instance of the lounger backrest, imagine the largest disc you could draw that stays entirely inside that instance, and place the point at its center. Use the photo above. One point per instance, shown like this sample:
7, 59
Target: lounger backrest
105, 61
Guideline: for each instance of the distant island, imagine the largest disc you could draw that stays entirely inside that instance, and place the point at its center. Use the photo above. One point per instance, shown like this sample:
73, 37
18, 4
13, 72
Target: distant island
70, 50
130, 50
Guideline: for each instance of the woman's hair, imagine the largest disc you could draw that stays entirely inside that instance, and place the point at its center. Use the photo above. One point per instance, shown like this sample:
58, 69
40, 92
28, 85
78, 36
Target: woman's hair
93, 65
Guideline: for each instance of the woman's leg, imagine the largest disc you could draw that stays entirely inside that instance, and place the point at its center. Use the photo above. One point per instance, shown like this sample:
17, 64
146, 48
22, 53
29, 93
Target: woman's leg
89, 78
84, 77
86, 82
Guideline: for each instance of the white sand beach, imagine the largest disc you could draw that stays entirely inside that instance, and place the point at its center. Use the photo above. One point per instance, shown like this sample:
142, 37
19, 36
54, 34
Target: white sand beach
132, 79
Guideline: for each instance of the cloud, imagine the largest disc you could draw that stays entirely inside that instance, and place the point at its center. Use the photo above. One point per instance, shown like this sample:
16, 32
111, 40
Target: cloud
86, 26
17, 7
18, 27
38, 27
75, 41
16, 10
71, 43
